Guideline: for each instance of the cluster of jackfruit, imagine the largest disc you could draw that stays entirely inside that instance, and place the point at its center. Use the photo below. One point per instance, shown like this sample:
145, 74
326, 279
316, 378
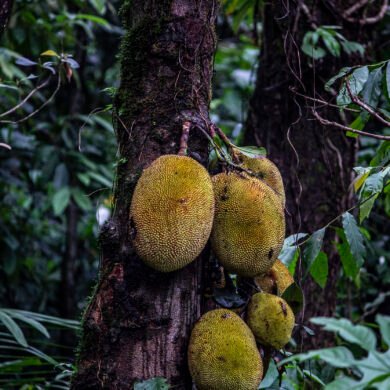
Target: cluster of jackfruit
175, 209
172, 215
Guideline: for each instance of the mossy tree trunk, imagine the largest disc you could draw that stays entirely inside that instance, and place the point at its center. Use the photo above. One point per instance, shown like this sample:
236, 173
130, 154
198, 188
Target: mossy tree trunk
138, 321
316, 161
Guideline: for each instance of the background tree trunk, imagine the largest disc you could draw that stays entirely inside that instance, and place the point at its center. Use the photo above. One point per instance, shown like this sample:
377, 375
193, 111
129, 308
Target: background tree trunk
138, 322
5, 12
316, 161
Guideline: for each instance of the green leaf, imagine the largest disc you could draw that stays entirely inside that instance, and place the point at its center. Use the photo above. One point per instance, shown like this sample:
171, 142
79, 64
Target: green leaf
30, 321
351, 47
252, 151
99, 5
271, 376
81, 199
344, 383
375, 369
350, 267
387, 76
61, 200
310, 48
372, 88
50, 53
357, 79
101, 179
343, 72
293, 295
330, 42
356, 334
14, 328
384, 326
319, 269
340, 357
354, 237
94, 19
313, 247
382, 155
290, 252
152, 384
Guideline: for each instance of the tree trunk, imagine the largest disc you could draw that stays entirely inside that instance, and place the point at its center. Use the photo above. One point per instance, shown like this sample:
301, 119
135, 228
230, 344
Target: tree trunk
315, 161
5, 12
138, 322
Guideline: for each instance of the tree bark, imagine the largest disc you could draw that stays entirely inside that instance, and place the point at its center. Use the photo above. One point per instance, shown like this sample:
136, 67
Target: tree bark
315, 161
5, 12
138, 322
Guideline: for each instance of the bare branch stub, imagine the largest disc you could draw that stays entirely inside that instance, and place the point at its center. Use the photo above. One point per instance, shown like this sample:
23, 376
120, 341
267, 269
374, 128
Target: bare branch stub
184, 139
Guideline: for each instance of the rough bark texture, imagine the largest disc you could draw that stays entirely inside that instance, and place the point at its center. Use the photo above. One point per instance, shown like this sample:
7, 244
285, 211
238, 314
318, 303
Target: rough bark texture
316, 161
138, 322
5, 12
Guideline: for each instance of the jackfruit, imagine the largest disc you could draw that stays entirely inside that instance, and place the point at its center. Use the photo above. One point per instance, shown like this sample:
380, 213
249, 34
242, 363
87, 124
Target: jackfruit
276, 280
267, 171
222, 354
171, 212
270, 319
249, 224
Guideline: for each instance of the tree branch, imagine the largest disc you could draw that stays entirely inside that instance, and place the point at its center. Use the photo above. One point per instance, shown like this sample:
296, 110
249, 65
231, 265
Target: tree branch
25, 100
41, 107
325, 122
365, 106
363, 21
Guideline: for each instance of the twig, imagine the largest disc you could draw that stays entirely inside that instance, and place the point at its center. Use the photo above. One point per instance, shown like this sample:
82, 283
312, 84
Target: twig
365, 106
41, 107
325, 122
6, 146
324, 102
355, 7
372, 20
26, 98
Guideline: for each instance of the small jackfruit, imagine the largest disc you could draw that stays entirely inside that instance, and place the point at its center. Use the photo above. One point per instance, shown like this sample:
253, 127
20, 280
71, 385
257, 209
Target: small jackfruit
222, 354
270, 319
276, 280
172, 212
249, 224
267, 171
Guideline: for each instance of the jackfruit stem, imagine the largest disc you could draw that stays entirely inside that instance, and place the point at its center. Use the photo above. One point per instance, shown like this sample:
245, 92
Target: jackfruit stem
185, 134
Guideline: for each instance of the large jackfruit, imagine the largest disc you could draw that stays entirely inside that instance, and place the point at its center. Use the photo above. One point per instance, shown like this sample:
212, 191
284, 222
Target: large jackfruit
270, 319
267, 171
172, 212
222, 354
249, 224
276, 280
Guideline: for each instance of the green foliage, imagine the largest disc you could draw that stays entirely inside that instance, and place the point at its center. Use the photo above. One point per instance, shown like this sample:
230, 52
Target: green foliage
62, 155
325, 39
24, 345
152, 384
356, 371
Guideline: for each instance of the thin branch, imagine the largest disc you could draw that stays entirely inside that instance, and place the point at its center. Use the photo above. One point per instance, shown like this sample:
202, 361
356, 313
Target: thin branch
6, 146
42, 106
354, 8
25, 100
371, 20
324, 102
325, 122
365, 106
